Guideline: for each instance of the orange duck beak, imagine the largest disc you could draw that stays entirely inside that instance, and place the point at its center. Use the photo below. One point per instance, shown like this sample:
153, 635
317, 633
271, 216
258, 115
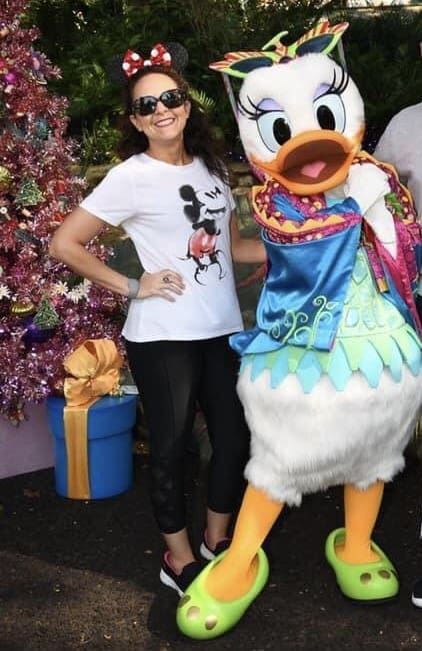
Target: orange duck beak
313, 161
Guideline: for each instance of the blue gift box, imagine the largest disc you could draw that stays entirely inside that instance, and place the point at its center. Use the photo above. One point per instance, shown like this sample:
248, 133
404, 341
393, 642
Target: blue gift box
110, 458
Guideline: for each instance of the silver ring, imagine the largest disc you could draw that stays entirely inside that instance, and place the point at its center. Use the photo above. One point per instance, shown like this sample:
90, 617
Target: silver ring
166, 279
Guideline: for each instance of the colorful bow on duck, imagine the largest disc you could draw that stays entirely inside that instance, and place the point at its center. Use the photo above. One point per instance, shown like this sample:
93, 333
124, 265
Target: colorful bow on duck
321, 38
95, 367
132, 61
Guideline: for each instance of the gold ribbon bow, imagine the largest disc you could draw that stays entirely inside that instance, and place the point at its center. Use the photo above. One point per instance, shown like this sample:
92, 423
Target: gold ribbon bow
95, 367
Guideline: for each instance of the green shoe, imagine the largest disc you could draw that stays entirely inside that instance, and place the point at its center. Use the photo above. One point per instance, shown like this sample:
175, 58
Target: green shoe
202, 617
366, 582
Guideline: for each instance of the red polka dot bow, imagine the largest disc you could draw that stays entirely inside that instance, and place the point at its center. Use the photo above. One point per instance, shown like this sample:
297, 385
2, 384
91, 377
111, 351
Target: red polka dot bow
132, 61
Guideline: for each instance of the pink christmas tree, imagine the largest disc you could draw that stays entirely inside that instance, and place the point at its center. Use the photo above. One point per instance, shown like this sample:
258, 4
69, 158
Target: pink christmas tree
46, 311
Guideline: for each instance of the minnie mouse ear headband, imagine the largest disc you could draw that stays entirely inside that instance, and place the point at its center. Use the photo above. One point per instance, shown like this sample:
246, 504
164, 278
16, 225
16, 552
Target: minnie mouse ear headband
123, 67
132, 61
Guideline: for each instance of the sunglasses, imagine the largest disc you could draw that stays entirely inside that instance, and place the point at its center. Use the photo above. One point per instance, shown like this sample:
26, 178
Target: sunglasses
170, 98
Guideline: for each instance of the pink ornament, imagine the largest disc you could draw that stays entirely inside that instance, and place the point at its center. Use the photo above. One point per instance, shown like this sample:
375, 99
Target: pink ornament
11, 78
36, 64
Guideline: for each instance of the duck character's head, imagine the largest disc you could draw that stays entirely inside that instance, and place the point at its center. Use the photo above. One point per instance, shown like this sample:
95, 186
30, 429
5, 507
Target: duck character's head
301, 116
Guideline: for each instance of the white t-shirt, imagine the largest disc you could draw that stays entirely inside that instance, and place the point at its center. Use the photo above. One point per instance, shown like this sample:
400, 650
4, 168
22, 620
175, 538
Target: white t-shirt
178, 218
401, 146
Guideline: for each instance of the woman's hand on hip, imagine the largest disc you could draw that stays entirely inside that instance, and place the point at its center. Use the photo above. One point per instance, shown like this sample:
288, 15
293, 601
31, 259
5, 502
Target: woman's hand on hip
162, 283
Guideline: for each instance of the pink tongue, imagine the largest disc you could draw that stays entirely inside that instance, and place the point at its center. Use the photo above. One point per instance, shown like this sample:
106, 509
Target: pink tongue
313, 169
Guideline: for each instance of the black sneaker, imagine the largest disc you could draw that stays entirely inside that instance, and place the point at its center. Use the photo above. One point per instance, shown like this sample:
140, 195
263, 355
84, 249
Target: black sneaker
179, 582
210, 554
417, 594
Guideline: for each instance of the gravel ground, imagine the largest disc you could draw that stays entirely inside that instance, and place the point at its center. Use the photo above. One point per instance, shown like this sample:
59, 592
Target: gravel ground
77, 574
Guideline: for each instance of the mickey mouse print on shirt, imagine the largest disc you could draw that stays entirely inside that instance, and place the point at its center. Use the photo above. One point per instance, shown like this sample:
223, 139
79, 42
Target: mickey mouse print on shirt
204, 208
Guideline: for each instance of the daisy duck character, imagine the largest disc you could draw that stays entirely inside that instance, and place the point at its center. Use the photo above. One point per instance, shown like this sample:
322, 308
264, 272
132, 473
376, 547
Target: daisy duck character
330, 378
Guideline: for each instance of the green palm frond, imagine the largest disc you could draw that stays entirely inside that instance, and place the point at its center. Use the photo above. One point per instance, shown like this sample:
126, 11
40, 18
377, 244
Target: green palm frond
206, 102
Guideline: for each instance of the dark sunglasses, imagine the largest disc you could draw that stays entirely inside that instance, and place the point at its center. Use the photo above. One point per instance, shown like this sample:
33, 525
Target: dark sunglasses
170, 98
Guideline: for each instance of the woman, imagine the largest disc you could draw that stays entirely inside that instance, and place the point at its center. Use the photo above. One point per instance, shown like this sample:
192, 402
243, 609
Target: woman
171, 196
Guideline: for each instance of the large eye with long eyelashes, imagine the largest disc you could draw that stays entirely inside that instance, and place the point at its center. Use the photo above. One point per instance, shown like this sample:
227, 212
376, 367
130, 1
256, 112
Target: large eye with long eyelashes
274, 129
330, 113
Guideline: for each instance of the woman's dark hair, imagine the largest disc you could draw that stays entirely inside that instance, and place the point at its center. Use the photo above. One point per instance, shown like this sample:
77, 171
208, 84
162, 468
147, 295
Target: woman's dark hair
198, 136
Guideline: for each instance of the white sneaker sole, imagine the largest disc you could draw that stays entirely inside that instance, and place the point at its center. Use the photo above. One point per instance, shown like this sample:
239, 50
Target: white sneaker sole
206, 553
417, 601
168, 581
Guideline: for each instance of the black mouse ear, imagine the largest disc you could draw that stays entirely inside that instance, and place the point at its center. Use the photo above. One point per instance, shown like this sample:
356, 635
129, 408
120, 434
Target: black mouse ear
179, 55
115, 71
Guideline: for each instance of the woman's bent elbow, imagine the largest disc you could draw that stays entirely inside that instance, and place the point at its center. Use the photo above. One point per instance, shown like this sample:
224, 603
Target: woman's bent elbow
52, 250
55, 249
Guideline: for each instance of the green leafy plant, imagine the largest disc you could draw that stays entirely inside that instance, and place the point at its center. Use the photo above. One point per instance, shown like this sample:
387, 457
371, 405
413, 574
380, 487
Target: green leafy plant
381, 47
98, 144
206, 102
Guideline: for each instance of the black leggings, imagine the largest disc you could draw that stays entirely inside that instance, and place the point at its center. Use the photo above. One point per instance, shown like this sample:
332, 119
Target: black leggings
173, 377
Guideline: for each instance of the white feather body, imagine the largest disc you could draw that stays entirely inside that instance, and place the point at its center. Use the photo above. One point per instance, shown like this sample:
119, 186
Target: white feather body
304, 443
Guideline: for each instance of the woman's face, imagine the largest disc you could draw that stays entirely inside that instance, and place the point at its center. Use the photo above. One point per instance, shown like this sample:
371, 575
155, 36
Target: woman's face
164, 124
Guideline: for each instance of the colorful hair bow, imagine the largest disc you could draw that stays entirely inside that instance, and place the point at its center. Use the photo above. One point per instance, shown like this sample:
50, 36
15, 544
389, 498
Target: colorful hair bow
321, 38
132, 61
